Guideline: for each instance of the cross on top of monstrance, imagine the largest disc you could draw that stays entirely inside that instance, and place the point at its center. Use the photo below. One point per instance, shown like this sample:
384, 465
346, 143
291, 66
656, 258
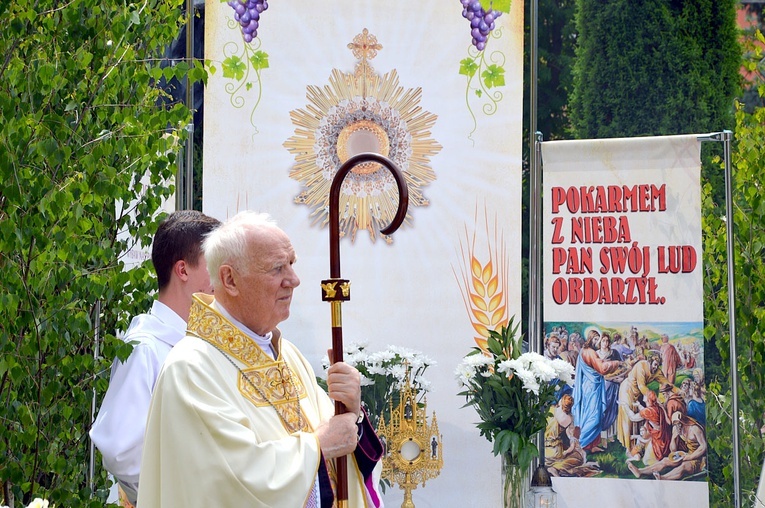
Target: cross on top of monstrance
364, 48
413, 448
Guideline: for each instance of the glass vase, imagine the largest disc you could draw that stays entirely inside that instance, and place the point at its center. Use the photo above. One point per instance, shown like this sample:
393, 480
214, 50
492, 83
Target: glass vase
515, 482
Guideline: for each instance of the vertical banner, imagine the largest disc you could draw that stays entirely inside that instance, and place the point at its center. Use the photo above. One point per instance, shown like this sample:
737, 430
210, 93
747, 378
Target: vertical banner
623, 302
311, 83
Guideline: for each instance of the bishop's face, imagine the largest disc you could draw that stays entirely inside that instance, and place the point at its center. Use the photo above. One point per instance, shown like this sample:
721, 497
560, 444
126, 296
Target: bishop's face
266, 284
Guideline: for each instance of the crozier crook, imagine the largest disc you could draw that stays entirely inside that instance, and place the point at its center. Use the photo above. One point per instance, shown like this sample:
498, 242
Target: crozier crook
337, 290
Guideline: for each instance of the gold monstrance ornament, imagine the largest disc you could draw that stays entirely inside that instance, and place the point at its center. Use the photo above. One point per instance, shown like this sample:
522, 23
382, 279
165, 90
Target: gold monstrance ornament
354, 113
413, 449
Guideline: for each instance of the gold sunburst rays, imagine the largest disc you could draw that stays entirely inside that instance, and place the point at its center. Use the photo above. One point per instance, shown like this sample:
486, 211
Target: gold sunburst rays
355, 113
483, 281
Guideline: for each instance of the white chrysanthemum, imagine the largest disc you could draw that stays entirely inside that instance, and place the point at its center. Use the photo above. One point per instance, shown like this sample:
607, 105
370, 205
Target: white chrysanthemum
565, 371
354, 347
507, 367
356, 356
383, 356
419, 362
470, 367
428, 361
38, 503
530, 381
518, 368
422, 384
365, 381
404, 352
542, 368
464, 374
399, 372
377, 369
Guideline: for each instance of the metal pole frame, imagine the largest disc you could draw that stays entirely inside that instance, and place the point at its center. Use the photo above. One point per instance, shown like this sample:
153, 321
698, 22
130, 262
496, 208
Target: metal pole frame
535, 224
188, 180
184, 179
188, 191
94, 402
535, 219
726, 137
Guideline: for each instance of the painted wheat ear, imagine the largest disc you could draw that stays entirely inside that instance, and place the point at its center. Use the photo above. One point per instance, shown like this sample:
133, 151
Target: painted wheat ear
484, 286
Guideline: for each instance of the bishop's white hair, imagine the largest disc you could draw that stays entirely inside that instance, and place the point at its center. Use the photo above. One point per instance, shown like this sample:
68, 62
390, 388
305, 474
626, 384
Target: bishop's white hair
227, 244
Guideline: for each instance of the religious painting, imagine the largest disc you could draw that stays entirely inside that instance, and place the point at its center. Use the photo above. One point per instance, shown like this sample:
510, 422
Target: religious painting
637, 406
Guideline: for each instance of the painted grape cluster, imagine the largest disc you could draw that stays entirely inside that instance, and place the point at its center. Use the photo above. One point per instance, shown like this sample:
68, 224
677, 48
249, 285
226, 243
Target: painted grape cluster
481, 21
247, 13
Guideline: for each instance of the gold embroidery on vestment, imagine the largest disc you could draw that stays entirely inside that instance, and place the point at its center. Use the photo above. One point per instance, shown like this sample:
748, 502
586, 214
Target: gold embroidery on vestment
271, 382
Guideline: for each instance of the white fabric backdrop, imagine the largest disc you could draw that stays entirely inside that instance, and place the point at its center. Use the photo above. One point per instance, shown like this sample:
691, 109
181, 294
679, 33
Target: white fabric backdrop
409, 293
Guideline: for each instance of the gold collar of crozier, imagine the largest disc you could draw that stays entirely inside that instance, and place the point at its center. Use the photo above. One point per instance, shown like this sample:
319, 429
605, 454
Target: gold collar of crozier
211, 326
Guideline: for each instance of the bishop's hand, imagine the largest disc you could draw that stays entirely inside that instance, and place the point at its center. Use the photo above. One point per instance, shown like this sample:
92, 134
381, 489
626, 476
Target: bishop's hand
344, 386
338, 436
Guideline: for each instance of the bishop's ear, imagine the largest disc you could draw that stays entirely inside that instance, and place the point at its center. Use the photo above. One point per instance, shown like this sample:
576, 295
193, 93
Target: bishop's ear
228, 278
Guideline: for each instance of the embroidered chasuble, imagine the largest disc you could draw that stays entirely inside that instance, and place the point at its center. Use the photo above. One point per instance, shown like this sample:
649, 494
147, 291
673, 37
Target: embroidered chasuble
231, 426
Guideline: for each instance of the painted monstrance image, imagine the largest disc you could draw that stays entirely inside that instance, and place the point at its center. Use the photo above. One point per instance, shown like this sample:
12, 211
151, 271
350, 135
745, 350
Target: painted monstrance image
357, 113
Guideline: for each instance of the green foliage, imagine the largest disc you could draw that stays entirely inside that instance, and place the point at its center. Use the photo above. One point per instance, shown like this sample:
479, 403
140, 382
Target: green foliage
748, 162
491, 75
259, 60
555, 58
654, 68
82, 123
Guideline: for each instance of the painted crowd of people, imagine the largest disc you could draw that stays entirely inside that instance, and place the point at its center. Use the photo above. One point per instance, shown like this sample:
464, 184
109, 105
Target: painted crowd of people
647, 395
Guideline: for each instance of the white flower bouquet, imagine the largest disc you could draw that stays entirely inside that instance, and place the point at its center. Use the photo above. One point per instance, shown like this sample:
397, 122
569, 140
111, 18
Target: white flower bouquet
512, 392
384, 373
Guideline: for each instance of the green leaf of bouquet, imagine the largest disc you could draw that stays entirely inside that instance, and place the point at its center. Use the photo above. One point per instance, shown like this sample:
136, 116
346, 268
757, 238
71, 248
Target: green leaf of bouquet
494, 75
233, 67
493, 344
527, 453
468, 67
507, 442
474, 351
